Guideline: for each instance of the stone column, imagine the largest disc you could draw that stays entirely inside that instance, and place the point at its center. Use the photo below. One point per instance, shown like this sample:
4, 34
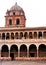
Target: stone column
10, 35
1, 36
27, 51
37, 35
42, 35
37, 52
18, 51
9, 52
0, 52
14, 35
5, 36
18, 35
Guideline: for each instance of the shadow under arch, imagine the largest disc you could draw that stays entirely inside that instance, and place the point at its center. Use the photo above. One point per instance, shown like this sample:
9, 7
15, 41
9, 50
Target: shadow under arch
32, 50
4, 51
42, 50
13, 51
23, 50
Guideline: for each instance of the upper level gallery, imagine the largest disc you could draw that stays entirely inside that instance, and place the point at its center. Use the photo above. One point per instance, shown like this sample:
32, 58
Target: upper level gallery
15, 26
20, 34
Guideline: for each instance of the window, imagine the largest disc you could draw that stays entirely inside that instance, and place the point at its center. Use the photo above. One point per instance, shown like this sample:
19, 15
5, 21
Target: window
16, 35
10, 21
40, 35
12, 35
17, 21
13, 13
30, 35
44, 34
25, 35
3, 35
7, 36
35, 34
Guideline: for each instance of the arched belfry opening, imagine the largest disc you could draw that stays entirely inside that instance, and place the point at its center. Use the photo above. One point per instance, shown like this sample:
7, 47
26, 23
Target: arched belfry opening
4, 51
13, 52
42, 50
32, 51
23, 51
17, 21
10, 21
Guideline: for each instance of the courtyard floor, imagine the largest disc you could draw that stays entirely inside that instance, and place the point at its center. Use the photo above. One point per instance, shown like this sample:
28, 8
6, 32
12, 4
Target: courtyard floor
22, 62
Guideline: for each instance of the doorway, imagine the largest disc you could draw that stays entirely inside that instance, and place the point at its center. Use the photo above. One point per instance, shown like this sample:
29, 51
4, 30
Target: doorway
32, 54
12, 56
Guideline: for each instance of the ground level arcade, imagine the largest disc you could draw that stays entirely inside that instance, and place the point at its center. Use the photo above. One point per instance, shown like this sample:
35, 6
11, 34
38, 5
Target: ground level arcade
23, 50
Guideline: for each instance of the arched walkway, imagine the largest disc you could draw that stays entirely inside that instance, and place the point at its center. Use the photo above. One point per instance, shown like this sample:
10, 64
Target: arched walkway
4, 51
13, 51
25, 35
12, 35
3, 35
21, 35
23, 50
40, 35
32, 51
16, 35
7, 36
42, 50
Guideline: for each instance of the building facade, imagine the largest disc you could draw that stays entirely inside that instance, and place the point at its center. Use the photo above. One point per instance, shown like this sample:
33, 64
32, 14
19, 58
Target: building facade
17, 42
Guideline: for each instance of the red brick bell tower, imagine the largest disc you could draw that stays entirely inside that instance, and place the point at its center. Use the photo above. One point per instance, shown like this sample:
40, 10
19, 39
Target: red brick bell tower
15, 17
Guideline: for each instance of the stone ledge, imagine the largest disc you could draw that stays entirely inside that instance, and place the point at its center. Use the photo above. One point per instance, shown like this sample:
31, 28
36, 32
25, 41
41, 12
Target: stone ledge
5, 58
29, 58
24, 58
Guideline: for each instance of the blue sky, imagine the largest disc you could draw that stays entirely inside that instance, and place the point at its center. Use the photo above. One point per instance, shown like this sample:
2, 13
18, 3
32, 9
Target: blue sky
35, 11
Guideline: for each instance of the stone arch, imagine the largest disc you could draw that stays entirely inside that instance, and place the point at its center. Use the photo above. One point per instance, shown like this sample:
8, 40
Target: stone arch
42, 50
16, 35
3, 35
0, 35
17, 21
32, 50
39, 35
10, 21
35, 34
21, 35
44, 34
12, 35
26, 35
30, 35
13, 51
7, 36
4, 51
23, 50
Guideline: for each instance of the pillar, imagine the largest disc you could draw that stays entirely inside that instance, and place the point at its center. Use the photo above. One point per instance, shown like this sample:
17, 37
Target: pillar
37, 52
0, 52
9, 52
27, 51
18, 51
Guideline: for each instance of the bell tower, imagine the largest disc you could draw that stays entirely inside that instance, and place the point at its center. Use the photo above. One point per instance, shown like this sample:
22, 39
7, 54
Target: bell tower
15, 17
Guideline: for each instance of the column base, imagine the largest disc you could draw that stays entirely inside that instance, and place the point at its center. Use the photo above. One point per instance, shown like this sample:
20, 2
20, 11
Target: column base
30, 58
5, 58
24, 58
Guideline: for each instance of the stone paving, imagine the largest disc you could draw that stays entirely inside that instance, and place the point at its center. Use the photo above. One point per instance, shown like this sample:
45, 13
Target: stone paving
22, 62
